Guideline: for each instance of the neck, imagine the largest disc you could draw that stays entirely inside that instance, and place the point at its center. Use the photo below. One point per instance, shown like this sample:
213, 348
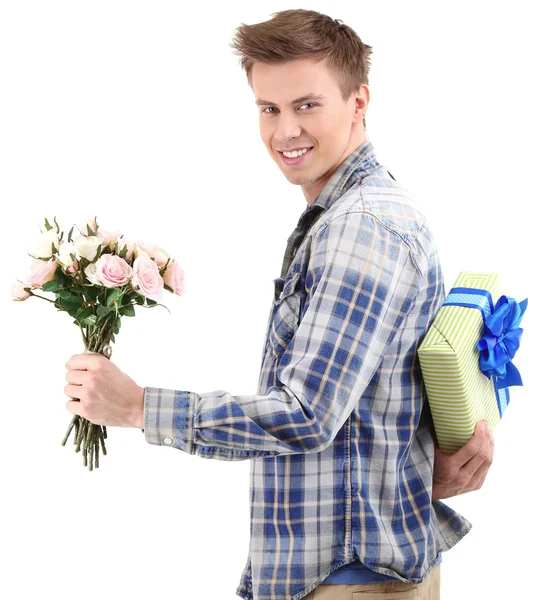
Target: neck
312, 189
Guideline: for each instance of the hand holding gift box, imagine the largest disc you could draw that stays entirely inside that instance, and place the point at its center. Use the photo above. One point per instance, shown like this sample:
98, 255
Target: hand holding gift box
466, 357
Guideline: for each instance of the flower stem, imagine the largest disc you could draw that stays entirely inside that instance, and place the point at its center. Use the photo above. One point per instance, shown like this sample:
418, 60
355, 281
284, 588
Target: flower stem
91, 466
75, 417
42, 297
102, 442
85, 339
82, 434
97, 447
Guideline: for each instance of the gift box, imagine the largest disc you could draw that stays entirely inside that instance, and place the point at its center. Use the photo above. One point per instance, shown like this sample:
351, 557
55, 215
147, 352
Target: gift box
465, 358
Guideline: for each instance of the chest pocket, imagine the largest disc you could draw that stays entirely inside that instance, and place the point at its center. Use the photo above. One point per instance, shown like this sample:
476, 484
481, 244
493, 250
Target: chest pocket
286, 312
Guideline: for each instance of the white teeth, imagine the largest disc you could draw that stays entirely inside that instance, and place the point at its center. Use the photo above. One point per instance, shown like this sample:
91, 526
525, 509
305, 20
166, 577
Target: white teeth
296, 153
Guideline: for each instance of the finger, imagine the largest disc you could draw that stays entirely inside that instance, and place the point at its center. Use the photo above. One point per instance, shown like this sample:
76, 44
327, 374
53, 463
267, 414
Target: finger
477, 472
75, 407
78, 377
82, 361
471, 449
74, 391
476, 468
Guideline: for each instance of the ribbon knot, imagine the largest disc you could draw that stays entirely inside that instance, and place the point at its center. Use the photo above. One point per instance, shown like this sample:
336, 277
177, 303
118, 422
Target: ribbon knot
501, 341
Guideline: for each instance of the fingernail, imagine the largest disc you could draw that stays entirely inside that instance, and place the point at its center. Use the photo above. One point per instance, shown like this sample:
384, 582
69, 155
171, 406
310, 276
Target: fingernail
484, 426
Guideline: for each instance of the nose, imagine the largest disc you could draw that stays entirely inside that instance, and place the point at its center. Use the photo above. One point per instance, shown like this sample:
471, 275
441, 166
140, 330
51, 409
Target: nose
287, 128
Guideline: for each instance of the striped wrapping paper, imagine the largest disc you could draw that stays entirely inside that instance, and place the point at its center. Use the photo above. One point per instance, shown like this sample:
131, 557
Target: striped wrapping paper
459, 394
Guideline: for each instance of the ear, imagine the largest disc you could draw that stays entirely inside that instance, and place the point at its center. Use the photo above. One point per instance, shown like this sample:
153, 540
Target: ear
361, 100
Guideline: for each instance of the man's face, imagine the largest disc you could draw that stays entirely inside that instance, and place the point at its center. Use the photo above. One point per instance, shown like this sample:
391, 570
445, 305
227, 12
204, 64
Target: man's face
328, 126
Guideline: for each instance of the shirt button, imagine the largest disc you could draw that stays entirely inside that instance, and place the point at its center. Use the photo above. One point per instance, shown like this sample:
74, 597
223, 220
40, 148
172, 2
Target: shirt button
167, 440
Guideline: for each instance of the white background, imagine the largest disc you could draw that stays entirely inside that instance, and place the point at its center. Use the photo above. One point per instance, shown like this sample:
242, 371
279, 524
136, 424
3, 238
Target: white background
139, 113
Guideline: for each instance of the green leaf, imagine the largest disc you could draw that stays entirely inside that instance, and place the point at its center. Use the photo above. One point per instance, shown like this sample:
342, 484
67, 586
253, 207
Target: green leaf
57, 227
117, 323
86, 312
124, 251
103, 311
89, 321
64, 293
91, 293
112, 295
128, 311
126, 299
62, 278
48, 226
69, 234
72, 302
151, 302
50, 286
113, 337
139, 300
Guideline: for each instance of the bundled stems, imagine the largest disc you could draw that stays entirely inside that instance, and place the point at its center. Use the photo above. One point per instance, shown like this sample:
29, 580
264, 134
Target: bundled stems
87, 434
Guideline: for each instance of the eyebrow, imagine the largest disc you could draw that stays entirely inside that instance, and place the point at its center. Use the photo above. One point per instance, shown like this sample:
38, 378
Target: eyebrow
260, 102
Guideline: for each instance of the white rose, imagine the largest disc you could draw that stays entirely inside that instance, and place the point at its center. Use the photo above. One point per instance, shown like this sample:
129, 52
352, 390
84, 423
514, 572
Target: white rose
87, 246
124, 243
83, 226
41, 246
67, 248
90, 272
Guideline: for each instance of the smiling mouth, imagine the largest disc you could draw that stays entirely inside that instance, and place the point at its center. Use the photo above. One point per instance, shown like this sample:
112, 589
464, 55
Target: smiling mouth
297, 159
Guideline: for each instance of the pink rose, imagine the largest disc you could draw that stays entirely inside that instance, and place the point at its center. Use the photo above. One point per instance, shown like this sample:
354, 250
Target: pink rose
174, 278
151, 251
146, 278
18, 292
108, 238
112, 271
41, 272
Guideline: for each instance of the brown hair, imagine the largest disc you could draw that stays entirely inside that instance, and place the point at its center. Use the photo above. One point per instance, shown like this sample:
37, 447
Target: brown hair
300, 33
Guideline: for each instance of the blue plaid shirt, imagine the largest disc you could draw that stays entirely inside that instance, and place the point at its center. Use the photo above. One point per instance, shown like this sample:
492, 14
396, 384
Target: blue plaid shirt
339, 434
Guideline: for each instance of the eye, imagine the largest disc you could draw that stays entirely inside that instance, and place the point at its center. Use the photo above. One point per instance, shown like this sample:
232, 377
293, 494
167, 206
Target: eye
305, 104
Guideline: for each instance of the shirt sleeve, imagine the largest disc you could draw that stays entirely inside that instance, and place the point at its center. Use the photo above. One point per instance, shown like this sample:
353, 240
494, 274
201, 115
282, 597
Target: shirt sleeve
361, 282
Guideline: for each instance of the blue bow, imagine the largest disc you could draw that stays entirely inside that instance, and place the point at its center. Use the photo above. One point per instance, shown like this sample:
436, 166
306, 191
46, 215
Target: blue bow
501, 341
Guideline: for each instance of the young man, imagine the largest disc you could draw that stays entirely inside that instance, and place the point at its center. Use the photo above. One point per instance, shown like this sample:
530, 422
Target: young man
346, 478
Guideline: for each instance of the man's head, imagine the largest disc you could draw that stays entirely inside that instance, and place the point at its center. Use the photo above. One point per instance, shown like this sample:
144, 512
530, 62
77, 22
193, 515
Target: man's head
299, 53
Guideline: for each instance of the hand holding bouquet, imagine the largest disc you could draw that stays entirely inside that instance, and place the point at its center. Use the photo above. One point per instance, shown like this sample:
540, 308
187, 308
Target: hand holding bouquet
97, 277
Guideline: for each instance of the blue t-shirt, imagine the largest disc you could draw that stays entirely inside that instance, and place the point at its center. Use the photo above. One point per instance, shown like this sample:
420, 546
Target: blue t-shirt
356, 572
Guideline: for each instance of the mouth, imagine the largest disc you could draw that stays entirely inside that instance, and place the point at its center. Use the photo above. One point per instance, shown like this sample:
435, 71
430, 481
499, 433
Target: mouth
297, 160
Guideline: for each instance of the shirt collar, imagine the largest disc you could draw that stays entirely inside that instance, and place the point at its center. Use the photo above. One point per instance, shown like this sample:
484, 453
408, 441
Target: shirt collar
353, 168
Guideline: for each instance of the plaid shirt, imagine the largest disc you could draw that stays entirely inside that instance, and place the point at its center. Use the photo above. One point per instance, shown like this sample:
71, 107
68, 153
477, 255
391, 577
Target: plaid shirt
339, 434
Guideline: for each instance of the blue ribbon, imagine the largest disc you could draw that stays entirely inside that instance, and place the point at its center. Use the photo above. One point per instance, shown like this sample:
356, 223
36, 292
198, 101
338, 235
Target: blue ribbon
501, 338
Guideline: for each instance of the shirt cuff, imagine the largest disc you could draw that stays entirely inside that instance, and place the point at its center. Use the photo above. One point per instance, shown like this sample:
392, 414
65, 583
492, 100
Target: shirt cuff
168, 418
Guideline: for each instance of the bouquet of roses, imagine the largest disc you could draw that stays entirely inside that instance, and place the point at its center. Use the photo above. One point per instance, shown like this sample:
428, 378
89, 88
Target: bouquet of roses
97, 278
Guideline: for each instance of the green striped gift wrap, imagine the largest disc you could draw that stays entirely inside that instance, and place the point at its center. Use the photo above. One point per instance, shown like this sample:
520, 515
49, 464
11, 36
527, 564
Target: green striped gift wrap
459, 393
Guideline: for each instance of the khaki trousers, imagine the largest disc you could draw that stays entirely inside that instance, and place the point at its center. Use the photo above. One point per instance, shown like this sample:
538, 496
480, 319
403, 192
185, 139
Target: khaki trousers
391, 590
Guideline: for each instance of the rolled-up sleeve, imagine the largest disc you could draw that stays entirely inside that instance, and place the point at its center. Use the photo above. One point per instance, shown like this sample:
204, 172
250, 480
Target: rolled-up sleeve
361, 281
